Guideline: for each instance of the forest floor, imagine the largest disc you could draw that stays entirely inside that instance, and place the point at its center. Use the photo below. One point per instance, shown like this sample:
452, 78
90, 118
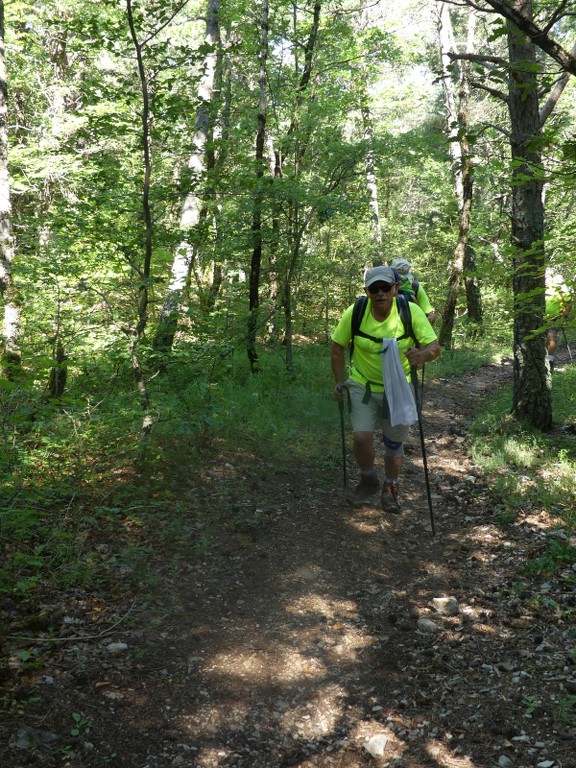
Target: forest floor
315, 634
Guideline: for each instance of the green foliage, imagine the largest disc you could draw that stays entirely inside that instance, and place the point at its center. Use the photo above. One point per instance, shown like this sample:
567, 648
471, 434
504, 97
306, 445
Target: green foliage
75, 466
82, 725
531, 472
71, 475
557, 555
566, 710
466, 357
530, 704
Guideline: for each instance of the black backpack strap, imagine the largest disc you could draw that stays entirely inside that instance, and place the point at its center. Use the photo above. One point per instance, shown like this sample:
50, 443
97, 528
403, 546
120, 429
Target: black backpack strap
357, 314
415, 286
360, 306
405, 315
359, 310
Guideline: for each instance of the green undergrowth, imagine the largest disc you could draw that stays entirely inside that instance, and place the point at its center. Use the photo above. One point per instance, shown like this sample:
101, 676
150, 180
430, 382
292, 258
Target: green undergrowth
84, 504
530, 472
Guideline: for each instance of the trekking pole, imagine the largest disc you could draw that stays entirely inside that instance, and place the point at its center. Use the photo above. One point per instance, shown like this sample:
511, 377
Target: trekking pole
567, 345
414, 376
341, 407
422, 387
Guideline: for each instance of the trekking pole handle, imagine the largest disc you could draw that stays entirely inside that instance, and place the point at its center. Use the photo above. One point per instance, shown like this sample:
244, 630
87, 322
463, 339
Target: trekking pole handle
339, 388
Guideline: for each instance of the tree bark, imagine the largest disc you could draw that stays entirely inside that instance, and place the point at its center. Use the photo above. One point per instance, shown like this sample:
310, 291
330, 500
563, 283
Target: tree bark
11, 356
457, 120
58, 372
376, 255
372, 185
135, 333
531, 396
191, 213
256, 260
473, 295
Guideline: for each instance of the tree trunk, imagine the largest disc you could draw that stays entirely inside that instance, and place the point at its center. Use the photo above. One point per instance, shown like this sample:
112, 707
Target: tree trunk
532, 396
144, 272
274, 287
256, 261
372, 186
10, 354
457, 120
191, 214
376, 255
223, 85
473, 295
58, 372
297, 220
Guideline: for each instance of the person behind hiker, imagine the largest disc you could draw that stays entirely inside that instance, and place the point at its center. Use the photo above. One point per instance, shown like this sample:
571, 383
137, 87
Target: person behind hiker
364, 387
558, 305
415, 291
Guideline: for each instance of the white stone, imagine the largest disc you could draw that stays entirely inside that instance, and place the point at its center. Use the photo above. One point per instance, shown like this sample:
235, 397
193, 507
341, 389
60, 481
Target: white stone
446, 606
116, 647
376, 745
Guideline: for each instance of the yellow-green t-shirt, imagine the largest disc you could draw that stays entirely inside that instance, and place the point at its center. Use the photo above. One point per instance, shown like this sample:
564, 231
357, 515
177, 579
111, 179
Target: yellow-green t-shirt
421, 297
367, 363
423, 301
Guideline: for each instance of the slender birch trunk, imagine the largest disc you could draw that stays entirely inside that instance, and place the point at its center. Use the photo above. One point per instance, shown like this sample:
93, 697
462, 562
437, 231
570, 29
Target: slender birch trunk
10, 354
372, 186
191, 212
135, 333
376, 256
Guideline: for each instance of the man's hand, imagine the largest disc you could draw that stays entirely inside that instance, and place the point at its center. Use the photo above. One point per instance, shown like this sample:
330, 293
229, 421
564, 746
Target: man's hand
417, 357
339, 392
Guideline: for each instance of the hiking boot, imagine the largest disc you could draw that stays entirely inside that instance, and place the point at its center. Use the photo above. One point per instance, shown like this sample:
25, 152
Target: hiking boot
367, 487
389, 498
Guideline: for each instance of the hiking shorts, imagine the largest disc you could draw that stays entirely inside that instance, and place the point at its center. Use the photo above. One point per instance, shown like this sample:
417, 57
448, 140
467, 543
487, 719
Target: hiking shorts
367, 417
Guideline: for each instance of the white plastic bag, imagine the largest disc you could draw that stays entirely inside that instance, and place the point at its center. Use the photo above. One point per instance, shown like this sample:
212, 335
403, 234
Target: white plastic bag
398, 391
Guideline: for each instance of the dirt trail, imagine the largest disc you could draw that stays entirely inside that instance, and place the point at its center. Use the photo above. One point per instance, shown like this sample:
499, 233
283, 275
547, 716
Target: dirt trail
296, 643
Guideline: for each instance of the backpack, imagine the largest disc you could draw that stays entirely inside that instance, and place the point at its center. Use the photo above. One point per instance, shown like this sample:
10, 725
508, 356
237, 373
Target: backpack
405, 287
410, 290
359, 311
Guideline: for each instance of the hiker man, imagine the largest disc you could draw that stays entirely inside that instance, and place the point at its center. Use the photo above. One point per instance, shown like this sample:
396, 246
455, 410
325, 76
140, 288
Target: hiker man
558, 304
414, 290
383, 352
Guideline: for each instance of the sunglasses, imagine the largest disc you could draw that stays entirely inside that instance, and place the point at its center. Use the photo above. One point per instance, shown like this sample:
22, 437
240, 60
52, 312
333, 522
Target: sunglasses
384, 287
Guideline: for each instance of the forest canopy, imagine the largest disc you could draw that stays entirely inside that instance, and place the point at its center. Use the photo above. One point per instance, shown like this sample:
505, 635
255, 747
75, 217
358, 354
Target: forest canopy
184, 181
